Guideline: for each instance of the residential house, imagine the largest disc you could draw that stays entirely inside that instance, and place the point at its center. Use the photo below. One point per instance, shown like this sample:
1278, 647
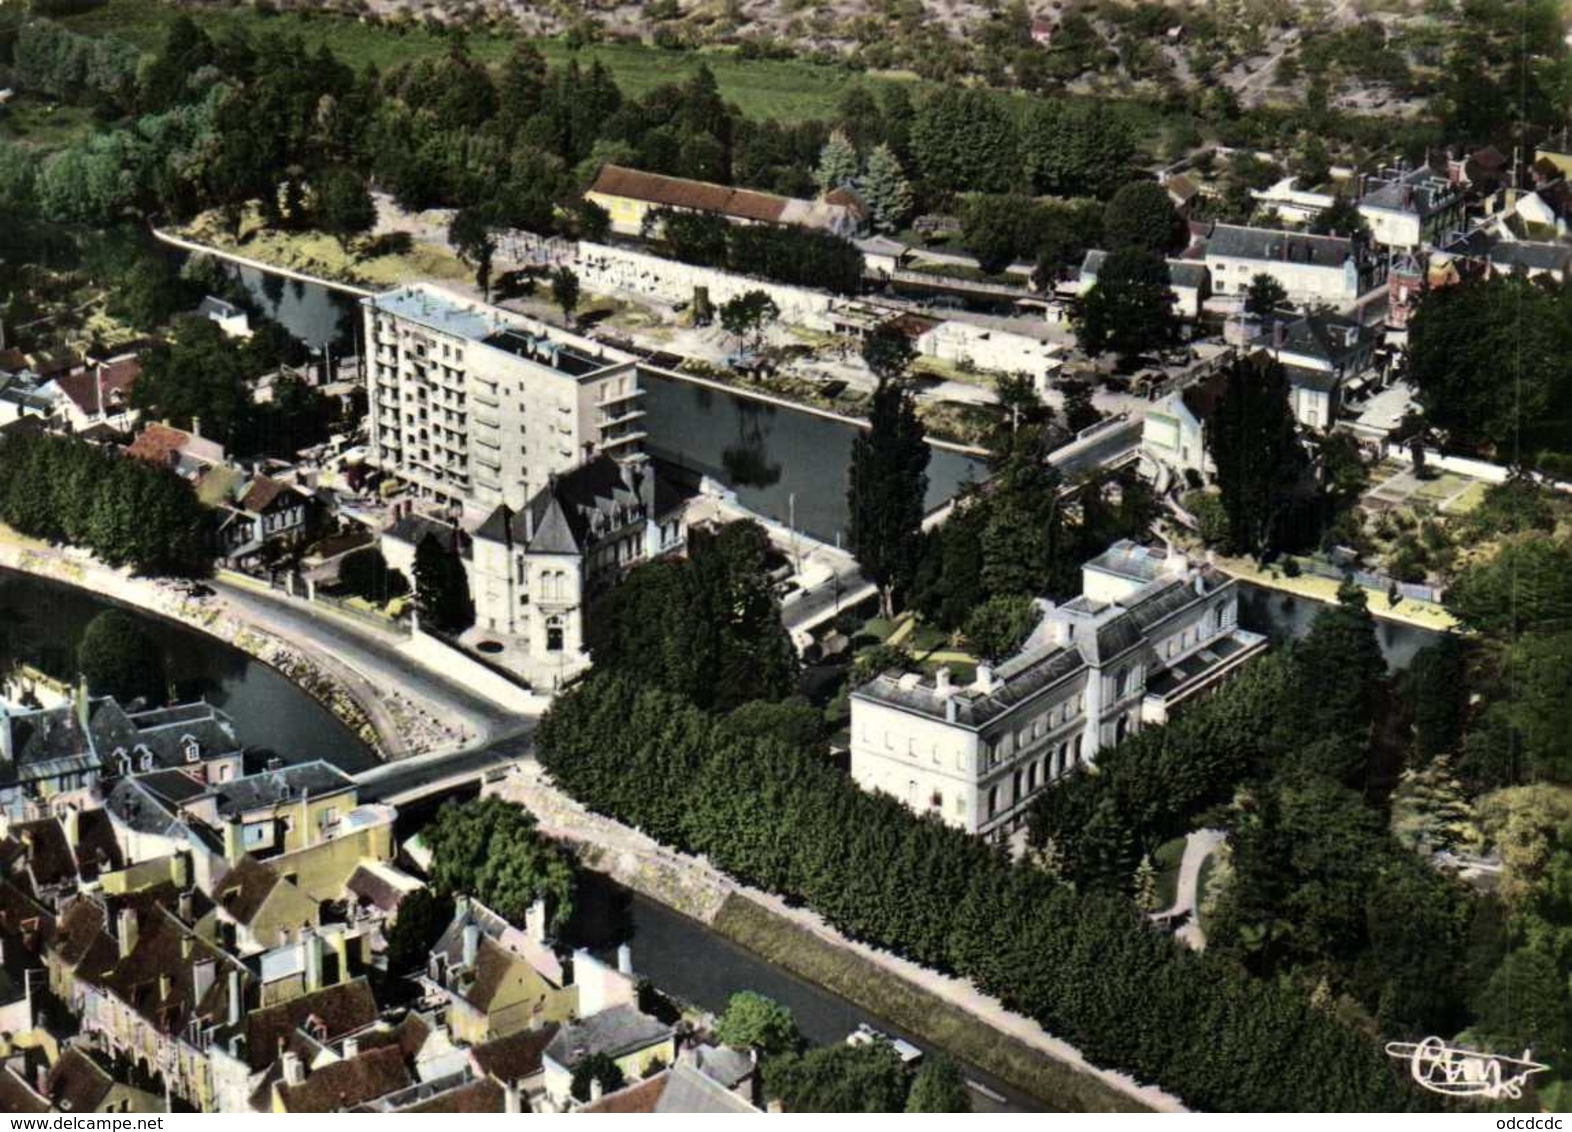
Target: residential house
1331, 270
1532, 259
99, 395
1149, 633
263, 518
535, 569
1407, 209
1327, 358
186, 452
629, 196
79, 1082
515, 1063
233, 321
630, 1038
1174, 431
495, 980
680, 1089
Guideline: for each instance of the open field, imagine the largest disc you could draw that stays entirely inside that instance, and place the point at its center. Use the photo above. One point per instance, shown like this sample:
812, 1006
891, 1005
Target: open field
788, 90
913, 1009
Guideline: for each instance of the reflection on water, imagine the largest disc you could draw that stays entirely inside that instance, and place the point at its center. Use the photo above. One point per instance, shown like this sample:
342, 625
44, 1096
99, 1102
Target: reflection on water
1287, 617
769, 453
41, 622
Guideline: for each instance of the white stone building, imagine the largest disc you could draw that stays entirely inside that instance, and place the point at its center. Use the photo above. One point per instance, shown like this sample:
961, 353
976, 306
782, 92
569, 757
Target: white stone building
1334, 270
535, 569
476, 407
1149, 633
1326, 359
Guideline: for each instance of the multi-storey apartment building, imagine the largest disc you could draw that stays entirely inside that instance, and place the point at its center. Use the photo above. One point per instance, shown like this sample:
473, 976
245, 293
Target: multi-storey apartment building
1149, 632
476, 407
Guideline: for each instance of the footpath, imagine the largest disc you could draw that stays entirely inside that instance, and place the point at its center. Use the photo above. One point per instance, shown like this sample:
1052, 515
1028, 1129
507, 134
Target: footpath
696, 888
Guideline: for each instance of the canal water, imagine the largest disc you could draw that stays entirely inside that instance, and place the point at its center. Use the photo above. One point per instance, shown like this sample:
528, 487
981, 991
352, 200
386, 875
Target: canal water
42, 621
1285, 617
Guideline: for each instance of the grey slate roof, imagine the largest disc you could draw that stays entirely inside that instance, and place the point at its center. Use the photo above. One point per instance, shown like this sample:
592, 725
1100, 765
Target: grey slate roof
256, 791
1236, 242
595, 500
1532, 256
615, 1031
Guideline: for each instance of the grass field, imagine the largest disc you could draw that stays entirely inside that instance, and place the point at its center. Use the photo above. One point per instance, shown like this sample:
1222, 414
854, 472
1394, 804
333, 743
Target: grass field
788, 90
1058, 1086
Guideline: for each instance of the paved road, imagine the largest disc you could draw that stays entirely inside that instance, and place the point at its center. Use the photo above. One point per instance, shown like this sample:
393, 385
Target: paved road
393, 780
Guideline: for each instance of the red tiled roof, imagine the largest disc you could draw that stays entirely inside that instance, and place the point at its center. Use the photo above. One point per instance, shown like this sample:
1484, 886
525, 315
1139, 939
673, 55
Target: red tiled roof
261, 494
158, 443
100, 388
476, 1096
513, 1058
77, 1083
641, 1097
338, 1010
697, 196
345, 1084
16, 1096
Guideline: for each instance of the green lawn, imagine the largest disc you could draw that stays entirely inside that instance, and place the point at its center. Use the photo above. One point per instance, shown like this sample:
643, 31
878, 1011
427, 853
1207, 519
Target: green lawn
1060, 1087
788, 90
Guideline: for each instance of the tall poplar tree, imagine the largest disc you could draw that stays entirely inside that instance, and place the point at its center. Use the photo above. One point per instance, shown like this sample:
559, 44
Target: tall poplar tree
1255, 445
889, 482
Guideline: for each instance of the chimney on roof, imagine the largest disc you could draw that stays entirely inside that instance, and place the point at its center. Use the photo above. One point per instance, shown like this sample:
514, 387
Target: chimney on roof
234, 997
1279, 333
624, 959
985, 680
351, 1048
126, 931
196, 428
202, 972
941, 682
512, 1101
294, 1072
535, 921
595, 1089
313, 957
471, 944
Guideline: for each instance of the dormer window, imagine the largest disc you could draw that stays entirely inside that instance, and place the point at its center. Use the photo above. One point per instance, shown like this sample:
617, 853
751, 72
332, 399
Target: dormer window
122, 760
144, 757
191, 748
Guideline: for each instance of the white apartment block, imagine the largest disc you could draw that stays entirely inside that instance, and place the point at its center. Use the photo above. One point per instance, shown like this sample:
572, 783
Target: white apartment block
476, 407
1149, 633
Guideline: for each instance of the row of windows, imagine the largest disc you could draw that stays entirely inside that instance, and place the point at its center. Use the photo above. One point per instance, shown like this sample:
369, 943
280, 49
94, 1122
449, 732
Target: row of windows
1056, 716
1034, 776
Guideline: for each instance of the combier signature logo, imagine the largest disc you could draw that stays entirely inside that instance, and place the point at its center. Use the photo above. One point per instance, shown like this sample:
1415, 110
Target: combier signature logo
1456, 1072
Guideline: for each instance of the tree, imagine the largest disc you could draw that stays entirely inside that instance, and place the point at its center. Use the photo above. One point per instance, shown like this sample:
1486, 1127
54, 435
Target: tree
1140, 215
1265, 295
998, 229
1524, 1007
837, 163
1130, 308
838, 1078
1487, 358
470, 236
565, 291
888, 487
747, 316
1340, 218
752, 1021
1079, 412
598, 1069
1525, 586
1255, 447
1430, 812
491, 850
999, 626
1432, 684
422, 917
1339, 672
885, 187
442, 585
888, 353
118, 658
344, 206
939, 1087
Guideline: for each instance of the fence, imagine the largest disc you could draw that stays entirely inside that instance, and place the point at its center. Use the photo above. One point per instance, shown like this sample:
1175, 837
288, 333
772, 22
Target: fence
1384, 583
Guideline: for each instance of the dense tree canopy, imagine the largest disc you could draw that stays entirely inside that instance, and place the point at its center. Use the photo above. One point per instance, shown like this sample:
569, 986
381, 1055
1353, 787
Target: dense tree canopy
490, 850
888, 486
1254, 444
117, 657
1129, 310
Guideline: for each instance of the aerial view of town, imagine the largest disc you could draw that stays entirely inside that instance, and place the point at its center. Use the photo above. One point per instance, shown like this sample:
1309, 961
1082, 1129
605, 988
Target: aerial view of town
785, 556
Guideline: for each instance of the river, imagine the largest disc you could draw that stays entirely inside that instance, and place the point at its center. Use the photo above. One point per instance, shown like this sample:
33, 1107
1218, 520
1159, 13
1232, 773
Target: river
41, 622
1286, 617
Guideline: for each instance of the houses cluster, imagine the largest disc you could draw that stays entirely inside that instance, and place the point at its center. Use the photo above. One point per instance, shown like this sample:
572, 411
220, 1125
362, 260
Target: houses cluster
182, 930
